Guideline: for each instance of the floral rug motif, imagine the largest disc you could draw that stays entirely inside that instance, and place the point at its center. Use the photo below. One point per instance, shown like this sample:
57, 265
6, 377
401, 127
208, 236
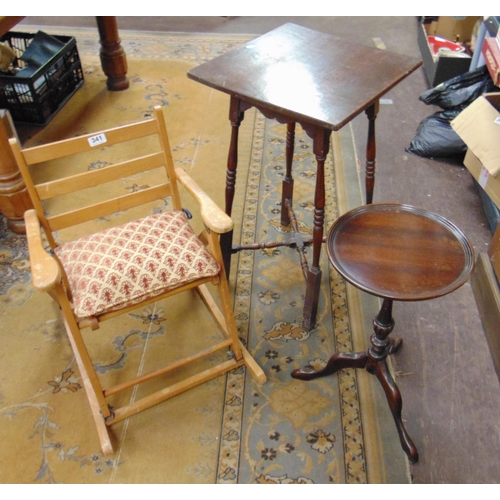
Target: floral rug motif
291, 431
230, 430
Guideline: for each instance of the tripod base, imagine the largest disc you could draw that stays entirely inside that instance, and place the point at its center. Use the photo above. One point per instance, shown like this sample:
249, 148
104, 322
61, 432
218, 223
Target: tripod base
375, 362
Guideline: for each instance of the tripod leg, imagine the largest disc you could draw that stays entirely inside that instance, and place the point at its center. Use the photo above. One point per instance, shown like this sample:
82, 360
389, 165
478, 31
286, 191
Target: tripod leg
396, 404
337, 362
395, 345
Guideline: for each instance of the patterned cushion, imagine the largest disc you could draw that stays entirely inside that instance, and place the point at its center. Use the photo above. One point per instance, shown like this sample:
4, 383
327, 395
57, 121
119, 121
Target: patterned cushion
127, 264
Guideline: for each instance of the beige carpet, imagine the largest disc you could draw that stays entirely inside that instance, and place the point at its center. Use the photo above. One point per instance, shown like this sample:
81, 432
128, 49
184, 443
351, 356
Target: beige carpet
333, 430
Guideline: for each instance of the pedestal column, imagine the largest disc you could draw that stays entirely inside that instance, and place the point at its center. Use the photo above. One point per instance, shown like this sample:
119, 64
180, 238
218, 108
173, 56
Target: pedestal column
14, 199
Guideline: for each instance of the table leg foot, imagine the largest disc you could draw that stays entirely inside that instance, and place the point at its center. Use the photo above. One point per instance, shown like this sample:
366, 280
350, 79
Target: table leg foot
113, 58
393, 395
338, 361
394, 346
16, 226
312, 298
117, 83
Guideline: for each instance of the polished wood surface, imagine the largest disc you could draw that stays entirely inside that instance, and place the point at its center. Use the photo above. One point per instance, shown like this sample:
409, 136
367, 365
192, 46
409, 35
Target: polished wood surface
396, 252
400, 252
297, 75
309, 76
8, 22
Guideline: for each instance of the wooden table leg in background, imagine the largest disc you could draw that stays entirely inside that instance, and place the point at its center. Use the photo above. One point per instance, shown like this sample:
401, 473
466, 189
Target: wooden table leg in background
321, 146
371, 151
237, 110
14, 199
113, 58
287, 187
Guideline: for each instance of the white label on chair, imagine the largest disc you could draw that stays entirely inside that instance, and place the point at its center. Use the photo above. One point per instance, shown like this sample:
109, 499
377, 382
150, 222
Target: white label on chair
483, 177
97, 140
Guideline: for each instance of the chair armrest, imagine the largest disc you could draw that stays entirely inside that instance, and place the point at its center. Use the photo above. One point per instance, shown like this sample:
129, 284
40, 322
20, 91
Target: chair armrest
213, 216
45, 271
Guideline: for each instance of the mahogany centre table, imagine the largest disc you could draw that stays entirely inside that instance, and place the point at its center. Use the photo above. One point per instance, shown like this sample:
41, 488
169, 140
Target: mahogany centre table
297, 75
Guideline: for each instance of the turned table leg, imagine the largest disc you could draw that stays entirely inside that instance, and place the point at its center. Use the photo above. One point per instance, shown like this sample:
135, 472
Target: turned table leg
236, 114
321, 145
371, 151
113, 58
287, 186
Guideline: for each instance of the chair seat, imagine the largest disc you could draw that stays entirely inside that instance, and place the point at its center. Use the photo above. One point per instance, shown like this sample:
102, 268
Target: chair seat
128, 264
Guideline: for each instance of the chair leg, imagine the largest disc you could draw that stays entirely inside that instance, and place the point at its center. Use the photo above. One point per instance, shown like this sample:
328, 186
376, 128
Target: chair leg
256, 371
226, 319
227, 311
223, 321
98, 404
95, 407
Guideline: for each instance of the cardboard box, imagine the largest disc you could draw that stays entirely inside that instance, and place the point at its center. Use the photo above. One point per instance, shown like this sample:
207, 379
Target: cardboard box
485, 285
454, 28
491, 53
487, 294
490, 184
494, 252
479, 127
446, 65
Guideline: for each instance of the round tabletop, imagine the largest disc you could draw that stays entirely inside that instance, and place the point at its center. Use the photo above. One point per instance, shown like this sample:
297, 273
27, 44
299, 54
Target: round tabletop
400, 252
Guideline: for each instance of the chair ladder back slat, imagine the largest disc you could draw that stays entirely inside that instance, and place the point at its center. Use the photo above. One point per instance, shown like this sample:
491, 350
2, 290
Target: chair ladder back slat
81, 144
30, 187
169, 163
94, 178
108, 207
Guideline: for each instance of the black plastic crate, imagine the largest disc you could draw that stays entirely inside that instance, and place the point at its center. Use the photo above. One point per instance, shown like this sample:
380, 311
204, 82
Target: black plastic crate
37, 98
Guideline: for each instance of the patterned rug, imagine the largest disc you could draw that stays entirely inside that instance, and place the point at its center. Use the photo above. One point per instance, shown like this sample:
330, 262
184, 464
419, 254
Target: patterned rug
230, 430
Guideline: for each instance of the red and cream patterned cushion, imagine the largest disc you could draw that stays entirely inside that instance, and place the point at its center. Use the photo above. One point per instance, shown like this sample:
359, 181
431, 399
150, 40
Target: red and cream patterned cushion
127, 264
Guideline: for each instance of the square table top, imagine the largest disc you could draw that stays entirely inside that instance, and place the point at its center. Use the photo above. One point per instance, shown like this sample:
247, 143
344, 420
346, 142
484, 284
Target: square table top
307, 75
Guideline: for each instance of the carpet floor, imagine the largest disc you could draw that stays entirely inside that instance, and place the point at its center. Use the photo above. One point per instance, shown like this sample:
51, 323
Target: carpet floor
230, 430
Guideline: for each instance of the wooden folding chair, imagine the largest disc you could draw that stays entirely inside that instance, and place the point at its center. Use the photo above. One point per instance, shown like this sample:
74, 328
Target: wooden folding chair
110, 272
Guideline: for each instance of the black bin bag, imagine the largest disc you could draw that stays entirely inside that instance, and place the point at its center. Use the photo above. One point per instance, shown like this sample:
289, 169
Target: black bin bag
434, 136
